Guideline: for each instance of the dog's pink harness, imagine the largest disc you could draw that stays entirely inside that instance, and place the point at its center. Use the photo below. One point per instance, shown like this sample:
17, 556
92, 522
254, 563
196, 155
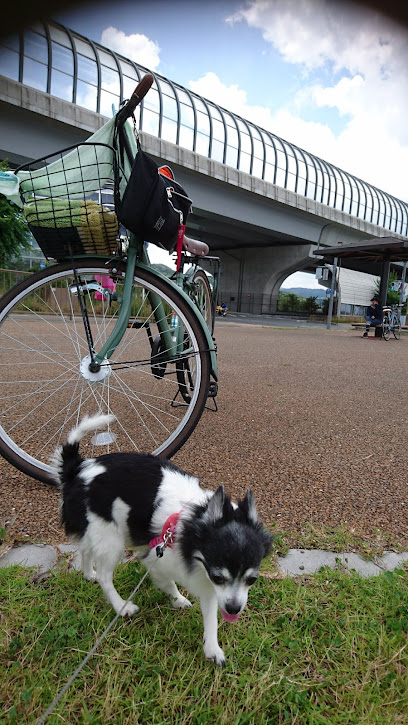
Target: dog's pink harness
168, 532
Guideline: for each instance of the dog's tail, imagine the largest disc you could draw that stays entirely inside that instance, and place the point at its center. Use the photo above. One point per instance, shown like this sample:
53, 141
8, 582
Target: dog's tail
67, 459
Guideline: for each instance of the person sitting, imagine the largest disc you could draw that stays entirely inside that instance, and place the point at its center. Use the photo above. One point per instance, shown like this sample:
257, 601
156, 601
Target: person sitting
374, 315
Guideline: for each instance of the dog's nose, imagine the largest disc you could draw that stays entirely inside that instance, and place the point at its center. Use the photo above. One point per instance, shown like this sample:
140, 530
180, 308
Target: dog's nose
232, 608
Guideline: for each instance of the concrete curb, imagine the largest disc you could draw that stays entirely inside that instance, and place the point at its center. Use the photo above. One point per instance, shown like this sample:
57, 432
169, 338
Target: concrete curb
309, 561
45, 557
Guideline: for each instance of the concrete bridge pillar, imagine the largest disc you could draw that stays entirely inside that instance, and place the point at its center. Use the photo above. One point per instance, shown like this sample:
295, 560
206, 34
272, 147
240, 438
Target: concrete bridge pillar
251, 276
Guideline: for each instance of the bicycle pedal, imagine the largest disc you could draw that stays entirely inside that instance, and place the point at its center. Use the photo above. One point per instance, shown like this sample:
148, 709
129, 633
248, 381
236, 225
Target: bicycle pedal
212, 390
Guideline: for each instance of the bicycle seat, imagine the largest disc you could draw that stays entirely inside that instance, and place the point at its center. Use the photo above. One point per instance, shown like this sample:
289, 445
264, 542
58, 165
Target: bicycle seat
195, 247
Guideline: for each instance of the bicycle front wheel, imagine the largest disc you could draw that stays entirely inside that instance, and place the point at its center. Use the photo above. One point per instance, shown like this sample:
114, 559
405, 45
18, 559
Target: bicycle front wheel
46, 385
386, 328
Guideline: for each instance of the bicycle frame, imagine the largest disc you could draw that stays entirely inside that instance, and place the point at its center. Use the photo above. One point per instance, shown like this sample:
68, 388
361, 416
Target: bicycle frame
173, 347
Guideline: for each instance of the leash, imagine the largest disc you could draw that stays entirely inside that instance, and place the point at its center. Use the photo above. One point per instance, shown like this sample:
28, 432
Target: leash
167, 540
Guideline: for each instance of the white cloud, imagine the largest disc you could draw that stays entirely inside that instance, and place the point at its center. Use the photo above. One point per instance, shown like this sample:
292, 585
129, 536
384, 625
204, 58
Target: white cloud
367, 54
136, 47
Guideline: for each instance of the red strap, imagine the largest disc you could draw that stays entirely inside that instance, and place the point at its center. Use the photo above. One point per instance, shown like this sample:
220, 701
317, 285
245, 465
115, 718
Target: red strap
180, 238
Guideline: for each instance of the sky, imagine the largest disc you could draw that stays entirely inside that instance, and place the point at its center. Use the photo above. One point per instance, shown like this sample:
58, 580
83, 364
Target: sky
326, 75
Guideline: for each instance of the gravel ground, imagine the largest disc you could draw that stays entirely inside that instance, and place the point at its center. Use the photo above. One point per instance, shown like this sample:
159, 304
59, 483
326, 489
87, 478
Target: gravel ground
312, 420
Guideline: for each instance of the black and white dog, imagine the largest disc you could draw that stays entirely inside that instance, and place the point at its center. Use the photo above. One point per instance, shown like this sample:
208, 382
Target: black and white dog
130, 500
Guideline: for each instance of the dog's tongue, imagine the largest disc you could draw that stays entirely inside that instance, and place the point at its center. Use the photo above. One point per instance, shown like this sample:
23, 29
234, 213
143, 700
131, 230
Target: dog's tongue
229, 617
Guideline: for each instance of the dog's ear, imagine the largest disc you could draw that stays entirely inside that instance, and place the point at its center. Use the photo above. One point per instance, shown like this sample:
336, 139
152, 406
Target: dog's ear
267, 541
215, 507
248, 507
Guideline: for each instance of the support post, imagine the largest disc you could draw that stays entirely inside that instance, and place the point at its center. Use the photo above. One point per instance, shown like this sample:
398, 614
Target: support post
385, 273
333, 288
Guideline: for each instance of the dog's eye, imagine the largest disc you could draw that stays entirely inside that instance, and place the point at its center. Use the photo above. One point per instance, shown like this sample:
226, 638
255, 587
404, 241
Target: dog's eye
218, 579
251, 580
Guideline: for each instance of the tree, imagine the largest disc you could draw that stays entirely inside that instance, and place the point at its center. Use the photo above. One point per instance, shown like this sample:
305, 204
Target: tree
289, 302
393, 298
13, 228
310, 305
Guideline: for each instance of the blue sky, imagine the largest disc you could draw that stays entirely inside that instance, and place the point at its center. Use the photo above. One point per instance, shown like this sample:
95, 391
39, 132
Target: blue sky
326, 75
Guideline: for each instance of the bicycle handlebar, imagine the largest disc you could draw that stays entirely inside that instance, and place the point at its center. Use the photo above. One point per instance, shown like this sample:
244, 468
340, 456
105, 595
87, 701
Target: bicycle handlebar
137, 96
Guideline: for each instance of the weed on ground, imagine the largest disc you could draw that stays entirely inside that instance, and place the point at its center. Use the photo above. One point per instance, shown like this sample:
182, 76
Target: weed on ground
327, 649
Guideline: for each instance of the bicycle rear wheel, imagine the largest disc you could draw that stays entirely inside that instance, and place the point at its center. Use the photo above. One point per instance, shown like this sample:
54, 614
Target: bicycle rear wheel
396, 329
46, 386
202, 296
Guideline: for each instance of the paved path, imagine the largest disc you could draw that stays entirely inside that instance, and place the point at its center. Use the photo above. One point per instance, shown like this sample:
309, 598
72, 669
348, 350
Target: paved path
297, 561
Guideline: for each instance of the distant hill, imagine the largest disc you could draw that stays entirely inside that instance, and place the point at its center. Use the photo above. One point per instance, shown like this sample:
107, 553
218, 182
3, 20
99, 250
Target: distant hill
305, 292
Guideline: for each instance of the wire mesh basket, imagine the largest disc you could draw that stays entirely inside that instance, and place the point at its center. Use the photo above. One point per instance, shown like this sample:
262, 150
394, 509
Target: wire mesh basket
69, 201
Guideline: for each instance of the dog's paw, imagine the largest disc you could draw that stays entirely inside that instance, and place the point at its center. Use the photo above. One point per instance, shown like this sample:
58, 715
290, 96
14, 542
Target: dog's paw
180, 603
215, 653
129, 610
90, 576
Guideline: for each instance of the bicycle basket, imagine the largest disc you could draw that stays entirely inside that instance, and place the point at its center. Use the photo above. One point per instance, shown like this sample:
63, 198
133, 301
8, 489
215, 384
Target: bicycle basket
69, 202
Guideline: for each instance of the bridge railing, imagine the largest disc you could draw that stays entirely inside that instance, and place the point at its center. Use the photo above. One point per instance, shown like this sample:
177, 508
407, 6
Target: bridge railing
65, 64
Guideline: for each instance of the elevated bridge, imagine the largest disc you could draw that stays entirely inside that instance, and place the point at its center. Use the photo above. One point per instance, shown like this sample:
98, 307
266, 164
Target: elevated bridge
261, 203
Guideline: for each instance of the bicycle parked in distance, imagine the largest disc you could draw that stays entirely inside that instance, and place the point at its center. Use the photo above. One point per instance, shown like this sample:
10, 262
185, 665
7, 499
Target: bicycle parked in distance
100, 330
391, 322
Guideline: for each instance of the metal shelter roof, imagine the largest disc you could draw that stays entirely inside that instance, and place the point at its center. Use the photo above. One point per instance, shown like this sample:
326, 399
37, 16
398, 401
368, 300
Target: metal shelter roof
368, 256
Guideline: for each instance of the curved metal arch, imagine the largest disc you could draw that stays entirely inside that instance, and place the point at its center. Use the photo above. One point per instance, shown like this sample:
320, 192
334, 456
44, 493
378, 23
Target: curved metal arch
368, 188
404, 220
119, 67
224, 154
251, 163
327, 168
319, 161
193, 106
340, 173
21, 57
355, 185
348, 176
379, 208
176, 98
313, 160
332, 176
99, 72
272, 140
362, 189
302, 154
284, 144
264, 150
210, 140
292, 147
389, 201
238, 130
75, 59
159, 91
49, 49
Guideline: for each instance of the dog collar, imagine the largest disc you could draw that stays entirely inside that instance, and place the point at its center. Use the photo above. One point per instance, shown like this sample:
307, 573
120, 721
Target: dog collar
169, 530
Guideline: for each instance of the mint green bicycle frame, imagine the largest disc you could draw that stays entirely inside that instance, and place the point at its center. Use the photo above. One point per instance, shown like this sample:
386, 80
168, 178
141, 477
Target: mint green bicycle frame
174, 348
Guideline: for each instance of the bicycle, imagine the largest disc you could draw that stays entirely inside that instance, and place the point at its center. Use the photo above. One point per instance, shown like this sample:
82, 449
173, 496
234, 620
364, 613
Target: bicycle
391, 322
74, 345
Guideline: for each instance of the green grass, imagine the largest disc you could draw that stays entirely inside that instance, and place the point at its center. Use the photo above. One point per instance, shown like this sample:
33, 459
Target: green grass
327, 649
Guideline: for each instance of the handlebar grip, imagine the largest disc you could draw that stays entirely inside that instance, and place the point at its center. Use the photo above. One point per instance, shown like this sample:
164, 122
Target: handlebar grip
137, 96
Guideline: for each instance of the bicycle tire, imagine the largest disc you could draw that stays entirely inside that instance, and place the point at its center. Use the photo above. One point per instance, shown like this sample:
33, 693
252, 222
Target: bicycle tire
386, 331
46, 337
203, 297
396, 330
